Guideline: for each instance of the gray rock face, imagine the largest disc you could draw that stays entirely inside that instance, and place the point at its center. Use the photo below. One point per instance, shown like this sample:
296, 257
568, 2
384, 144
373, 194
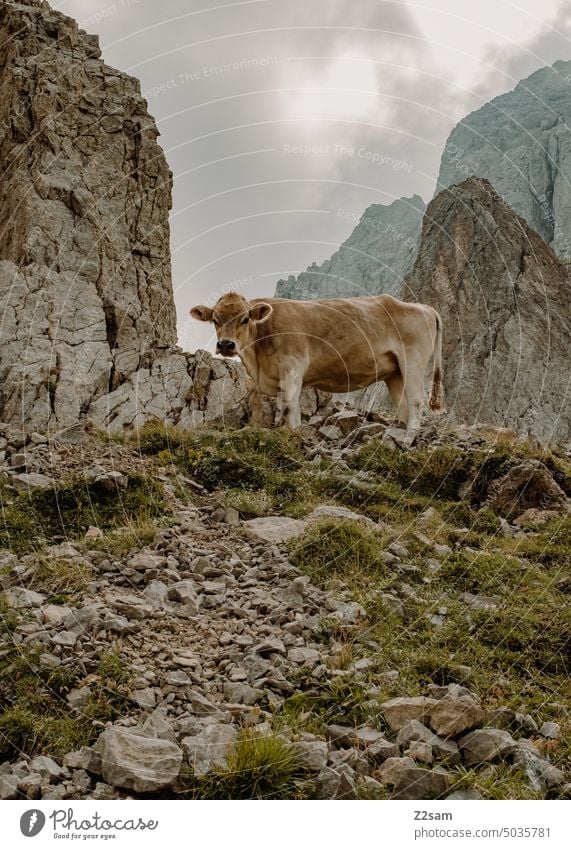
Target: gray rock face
374, 259
87, 313
504, 299
85, 289
520, 142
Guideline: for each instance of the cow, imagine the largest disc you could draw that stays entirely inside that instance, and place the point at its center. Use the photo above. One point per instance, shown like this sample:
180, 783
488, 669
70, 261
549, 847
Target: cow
337, 345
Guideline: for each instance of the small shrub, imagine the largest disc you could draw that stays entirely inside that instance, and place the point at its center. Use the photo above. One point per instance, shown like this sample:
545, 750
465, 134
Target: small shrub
257, 768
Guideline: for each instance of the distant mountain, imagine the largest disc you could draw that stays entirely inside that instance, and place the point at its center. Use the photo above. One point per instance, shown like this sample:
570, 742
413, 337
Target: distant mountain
521, 143
376, 257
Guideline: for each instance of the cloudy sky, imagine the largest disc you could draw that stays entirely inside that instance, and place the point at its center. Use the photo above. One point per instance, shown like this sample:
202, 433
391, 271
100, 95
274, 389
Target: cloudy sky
282, 121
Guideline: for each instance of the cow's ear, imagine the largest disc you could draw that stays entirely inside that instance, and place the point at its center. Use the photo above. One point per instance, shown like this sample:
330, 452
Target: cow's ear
202, 313
261, 312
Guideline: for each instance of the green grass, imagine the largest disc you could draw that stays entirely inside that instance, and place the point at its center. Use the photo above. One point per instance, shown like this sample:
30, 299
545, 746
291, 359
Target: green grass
257, 768
347, 549
61, 577
246, 462
66, 510
35, 717
119, 542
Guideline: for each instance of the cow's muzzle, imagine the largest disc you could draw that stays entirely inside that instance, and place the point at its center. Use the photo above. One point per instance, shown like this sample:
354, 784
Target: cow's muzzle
226, 347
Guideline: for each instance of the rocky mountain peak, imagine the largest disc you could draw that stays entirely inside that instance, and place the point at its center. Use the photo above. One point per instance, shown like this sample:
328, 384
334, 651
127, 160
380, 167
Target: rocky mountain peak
520, 141
504, 298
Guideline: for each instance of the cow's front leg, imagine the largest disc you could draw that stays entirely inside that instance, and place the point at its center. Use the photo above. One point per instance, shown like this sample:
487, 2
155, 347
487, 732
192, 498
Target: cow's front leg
287, 407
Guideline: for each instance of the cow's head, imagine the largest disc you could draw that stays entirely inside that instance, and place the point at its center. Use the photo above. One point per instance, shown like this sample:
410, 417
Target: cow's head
235, 320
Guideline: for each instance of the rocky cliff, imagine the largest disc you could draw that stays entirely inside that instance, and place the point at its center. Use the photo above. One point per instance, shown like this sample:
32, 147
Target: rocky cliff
504, 298
374, 259
87, 313
521, 143
85, 288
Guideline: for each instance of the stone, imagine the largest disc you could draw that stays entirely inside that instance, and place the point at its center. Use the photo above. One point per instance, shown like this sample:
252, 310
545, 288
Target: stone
78, 697
52, 614
335, 783
145, 698
401, 437
525, 485
366, 736
397, 712
277, 529
346, 612
202, 706
23, 482
158, 725
138, 763
540, 774
550, 730
346, 421
20, 597
465, 795
413, 731
330, 432
209, 748
452, 716
241, 694
419, 783
67, 639
331, 511
381, 751
393, 768
46, 767
272, 645
143, 560
420, 751
86, 758
486, 744
8, 787
311, 753
31, 785
304, 656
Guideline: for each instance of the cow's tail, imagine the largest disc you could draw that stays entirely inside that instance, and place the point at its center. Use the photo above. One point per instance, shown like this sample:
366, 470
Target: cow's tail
436, 400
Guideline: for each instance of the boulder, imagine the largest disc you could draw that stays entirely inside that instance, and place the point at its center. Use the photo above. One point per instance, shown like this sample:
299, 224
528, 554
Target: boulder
525, 486
397, 712
486, 744
138, 763
276, 529
451, 716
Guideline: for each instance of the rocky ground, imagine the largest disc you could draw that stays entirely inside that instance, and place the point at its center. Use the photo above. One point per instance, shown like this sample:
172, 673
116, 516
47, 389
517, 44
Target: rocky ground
342, 612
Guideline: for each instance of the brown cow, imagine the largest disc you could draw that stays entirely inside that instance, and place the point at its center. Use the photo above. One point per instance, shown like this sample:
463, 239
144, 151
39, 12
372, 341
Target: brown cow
337, 345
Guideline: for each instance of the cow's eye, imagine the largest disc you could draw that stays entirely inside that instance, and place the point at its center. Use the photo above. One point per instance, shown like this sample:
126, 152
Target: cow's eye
245, 320
215, 323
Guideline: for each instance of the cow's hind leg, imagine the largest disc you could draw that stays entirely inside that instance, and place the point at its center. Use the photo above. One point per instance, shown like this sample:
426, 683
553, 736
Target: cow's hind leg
395, 385
287, 408
413, 378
